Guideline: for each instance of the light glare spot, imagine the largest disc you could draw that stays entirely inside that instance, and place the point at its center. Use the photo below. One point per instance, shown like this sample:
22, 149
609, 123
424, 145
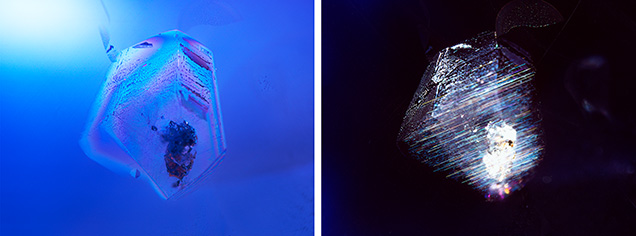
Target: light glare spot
498, 159
45, 30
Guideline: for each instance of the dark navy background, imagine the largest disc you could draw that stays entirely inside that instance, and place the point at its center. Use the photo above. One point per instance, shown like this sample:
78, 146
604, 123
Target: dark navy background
52, 65
374, 54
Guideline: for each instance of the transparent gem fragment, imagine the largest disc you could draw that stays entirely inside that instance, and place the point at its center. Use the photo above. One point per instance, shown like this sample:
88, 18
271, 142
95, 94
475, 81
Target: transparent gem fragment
158, 114
474, 117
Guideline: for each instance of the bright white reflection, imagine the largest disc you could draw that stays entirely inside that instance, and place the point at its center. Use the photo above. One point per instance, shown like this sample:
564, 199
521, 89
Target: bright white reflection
498, 159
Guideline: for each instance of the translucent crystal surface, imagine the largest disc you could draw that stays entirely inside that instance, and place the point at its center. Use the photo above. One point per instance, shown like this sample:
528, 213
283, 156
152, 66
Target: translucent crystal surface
158, 114
473, 116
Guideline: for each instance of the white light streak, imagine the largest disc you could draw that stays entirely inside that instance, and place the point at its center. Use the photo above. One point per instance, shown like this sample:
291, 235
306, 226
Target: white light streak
461, 45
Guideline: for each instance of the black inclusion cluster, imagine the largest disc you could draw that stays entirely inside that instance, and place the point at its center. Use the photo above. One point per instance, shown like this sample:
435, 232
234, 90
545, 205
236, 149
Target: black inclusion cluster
179, 155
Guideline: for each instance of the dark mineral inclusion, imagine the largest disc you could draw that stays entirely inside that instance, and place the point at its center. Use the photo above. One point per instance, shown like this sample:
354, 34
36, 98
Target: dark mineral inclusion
179, 155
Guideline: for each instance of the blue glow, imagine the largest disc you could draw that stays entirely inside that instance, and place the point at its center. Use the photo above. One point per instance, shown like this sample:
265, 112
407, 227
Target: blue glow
46, 31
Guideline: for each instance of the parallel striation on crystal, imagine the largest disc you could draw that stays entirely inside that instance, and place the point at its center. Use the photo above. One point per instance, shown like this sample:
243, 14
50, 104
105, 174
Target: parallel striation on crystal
158, 113
473, 116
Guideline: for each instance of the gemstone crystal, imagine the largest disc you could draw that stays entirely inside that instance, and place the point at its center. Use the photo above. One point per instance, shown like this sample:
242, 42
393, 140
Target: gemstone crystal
474, 116
158, 114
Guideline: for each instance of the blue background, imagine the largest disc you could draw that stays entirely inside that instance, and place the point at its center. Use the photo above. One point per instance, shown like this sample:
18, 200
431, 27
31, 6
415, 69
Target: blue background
52, 65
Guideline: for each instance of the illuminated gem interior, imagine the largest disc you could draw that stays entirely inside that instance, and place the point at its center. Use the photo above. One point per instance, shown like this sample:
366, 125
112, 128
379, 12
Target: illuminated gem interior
473, 116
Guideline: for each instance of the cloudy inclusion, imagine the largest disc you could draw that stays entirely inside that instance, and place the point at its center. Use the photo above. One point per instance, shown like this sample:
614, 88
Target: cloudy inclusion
498, 158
